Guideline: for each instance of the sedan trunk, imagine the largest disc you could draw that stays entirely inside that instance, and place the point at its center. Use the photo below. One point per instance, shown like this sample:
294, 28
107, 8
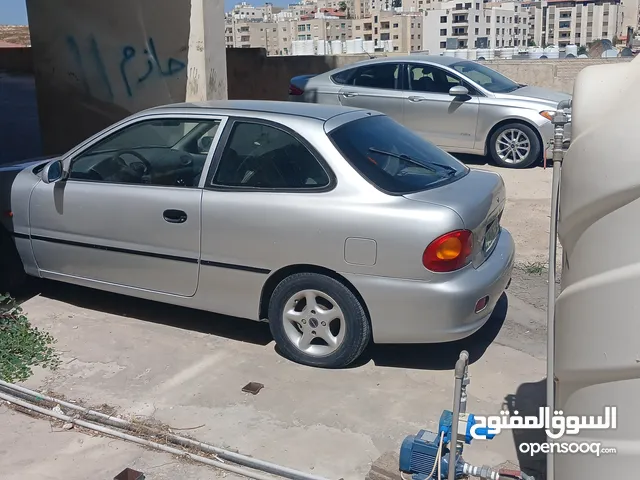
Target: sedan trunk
479, 199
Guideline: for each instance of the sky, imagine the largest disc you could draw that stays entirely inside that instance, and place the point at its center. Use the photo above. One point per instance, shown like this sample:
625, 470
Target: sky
14, 12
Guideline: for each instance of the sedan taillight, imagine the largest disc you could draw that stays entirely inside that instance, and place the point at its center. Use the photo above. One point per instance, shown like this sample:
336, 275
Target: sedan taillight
449, 252
293, 90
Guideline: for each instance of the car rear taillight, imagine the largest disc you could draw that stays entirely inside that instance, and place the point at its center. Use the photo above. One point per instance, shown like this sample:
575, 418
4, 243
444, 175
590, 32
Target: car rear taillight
449, 252
293, 90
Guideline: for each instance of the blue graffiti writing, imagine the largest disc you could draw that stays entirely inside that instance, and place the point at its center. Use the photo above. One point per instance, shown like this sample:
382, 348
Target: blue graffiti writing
92, 66
128, 53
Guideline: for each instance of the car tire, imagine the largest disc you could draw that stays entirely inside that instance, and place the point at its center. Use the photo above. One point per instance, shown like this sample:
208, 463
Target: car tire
518, 134
12, 274
336, 315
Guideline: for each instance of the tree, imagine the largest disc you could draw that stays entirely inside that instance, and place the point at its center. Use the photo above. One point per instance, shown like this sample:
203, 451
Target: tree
396, 3
615, 40
531, 43
582, 50
343, 6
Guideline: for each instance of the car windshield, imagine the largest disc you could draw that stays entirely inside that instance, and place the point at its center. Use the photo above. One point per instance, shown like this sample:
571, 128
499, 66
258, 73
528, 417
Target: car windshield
486, 77
392, 157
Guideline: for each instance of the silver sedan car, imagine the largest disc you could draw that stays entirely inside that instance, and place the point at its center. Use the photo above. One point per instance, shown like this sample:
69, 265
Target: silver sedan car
336, 225
460, 105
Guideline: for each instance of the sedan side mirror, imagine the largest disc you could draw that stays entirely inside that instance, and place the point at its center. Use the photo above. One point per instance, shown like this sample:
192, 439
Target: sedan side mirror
458, 91
53, 172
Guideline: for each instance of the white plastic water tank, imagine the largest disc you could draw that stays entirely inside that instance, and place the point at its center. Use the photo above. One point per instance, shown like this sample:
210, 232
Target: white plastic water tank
552, 52
611, 53
461, 53
507, 53
336, 47
449, 53
308, 47
482, 54
351, 47
572, 50
472, 54
368, 46
535, 52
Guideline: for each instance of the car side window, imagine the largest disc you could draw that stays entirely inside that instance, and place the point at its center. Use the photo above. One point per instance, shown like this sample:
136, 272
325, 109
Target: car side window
162, 152
382, 75
430, 79
263, 156
342, 78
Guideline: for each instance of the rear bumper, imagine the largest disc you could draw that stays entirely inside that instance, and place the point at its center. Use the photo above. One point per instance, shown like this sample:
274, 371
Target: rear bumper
409, 311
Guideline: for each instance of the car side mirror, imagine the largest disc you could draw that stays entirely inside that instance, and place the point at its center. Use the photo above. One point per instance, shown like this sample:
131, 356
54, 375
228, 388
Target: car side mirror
53, 172
458, 91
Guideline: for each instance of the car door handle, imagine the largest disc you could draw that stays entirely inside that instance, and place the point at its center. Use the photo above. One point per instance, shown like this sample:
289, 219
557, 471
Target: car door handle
417, 99
349, 94
174, 216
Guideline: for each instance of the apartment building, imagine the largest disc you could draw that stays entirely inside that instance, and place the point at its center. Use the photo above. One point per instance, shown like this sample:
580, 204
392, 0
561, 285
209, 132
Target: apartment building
451, 25
274, 37
565, 22
404, 31
246, 11
324, 28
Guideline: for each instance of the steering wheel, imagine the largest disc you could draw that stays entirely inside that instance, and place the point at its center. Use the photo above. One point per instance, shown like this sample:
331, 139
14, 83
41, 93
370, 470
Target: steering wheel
118, 158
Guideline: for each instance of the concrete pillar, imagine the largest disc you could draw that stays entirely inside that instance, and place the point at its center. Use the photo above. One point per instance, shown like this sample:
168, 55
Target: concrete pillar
207, 75
97, 61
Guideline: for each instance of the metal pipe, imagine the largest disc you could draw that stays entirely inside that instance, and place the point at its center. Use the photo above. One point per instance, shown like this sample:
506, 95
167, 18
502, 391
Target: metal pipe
176, 439
140, 441
460, 368
559, 120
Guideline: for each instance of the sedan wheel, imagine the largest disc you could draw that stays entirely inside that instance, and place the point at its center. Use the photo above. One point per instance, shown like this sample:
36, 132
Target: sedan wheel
514, 146
317, 321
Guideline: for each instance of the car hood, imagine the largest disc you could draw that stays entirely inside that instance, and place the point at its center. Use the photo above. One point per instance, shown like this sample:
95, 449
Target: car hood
537, 93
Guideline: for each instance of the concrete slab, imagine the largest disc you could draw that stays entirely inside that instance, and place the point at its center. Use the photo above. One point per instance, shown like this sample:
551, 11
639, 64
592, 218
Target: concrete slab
187, 368
55, 454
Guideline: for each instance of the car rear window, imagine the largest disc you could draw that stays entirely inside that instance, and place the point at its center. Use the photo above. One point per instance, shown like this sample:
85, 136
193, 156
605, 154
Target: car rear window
393, 158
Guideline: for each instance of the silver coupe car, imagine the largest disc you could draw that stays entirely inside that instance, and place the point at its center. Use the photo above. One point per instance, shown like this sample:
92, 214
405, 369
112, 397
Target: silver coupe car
460, 105
336, 225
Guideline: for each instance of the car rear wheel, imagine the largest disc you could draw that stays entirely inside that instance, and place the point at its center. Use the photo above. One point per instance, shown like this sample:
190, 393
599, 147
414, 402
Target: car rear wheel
317, 321
12, 275
514, 145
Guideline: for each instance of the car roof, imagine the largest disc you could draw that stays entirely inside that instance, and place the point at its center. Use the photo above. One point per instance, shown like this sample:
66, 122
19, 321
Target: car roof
437, 59
309, 110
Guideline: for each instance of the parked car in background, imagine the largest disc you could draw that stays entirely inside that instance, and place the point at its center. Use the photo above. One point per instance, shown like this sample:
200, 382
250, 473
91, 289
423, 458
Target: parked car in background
336, 225
460, 105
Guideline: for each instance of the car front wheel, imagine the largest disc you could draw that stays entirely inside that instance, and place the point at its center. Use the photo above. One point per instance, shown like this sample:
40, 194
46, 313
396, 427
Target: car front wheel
514, 145
317, 321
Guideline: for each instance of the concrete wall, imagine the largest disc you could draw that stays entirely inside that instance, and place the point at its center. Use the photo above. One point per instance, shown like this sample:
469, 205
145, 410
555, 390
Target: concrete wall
97, 61
555, 74
16, 60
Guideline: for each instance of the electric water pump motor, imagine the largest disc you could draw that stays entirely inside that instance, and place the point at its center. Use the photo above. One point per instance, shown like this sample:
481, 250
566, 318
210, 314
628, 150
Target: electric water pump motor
419, 453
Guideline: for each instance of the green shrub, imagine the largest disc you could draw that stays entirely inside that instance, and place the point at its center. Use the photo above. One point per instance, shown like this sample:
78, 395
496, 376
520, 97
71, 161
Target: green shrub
22, 346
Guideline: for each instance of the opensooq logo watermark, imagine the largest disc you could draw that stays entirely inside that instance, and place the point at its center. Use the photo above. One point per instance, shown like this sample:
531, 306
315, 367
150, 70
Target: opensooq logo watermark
555, 424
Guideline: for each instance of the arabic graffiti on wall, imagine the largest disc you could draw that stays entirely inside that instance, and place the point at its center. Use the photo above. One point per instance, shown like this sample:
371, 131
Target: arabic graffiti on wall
91, 65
